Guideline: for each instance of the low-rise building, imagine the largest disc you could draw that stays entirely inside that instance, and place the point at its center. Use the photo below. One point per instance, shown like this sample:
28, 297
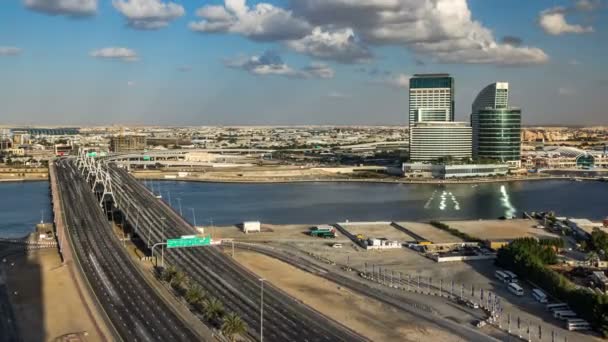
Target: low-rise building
444, 171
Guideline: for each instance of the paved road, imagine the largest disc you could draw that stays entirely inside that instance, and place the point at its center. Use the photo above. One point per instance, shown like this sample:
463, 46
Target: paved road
420, 310
132, 306
285, 319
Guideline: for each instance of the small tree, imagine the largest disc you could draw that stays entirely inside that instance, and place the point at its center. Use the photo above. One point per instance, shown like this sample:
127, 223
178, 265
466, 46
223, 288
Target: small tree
178, 280
168, 274
194, 294
233, 326
213, 309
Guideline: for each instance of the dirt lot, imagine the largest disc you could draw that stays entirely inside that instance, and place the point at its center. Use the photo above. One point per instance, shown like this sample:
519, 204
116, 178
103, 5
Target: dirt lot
500, 229
351, 309
378, 231
276, 233
429, 232
47, 304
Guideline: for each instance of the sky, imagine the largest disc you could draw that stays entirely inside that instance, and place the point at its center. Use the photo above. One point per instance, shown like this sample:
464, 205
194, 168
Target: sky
294, 62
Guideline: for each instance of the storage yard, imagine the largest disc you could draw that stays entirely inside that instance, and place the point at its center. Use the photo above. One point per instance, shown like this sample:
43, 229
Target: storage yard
429, 233
500, 229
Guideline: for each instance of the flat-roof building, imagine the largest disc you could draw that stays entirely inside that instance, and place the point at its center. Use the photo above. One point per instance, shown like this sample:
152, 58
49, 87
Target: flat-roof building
127, 143
431, 141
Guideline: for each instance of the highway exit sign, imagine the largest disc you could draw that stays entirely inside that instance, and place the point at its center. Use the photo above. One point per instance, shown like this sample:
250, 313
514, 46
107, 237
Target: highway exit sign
189, 241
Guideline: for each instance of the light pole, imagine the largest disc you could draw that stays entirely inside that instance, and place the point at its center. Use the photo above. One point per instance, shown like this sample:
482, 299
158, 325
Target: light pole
162, 248
179, 201
262, 309
193, 217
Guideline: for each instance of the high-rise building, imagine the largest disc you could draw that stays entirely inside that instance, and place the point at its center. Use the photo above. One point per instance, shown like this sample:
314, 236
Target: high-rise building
431, 141
496, 126
431, 98
496, 95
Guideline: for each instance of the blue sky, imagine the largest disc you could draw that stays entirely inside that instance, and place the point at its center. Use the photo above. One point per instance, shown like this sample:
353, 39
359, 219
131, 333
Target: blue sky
293, 62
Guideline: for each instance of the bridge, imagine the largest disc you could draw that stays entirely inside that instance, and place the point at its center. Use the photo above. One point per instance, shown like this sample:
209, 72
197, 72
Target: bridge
93, 191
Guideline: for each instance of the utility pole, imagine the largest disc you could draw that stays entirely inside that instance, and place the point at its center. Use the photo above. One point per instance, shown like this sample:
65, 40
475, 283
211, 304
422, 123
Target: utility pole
179, 201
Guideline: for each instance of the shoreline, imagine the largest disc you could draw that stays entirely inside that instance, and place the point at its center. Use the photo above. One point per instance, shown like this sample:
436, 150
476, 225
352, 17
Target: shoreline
363, 180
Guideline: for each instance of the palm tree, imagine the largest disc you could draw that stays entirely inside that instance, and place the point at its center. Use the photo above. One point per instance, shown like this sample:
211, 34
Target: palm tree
213, 309
194, 294
168, 274
178, 279
233, 325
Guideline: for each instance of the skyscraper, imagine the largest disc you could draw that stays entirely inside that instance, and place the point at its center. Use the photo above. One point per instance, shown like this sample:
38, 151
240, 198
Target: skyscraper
496, 126
496, 95
431, 98
431, 141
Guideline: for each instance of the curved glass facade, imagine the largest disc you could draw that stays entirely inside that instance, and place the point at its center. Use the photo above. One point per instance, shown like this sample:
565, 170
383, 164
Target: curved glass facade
497, 134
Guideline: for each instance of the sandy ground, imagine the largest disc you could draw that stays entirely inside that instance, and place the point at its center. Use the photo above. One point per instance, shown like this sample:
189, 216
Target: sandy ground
368, 317
275, 233
378, 231
500, 229
47, 304
429, 232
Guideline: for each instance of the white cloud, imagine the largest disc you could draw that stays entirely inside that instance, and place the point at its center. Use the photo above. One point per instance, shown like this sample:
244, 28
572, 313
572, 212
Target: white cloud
271, 64
119, 53
263, 22
9, 51
345, 30
553, 22
148, 14
319, 70
339, 45
76, 8
397, 81
587, 5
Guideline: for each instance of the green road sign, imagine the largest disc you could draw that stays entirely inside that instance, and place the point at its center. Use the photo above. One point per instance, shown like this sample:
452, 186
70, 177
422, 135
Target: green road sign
189, 241
146, 158
92, 154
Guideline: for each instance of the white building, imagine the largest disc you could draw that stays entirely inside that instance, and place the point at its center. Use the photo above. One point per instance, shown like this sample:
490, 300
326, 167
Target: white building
431, 98
454, 171
252, 226
430, 141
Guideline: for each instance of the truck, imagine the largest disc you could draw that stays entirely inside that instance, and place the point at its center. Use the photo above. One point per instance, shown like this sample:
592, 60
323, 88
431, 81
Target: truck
324, 232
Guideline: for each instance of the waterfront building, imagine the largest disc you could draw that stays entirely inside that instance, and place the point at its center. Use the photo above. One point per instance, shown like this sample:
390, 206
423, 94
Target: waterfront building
495, 95
496, 126
445, 171
431, 98
564, 157
433, 141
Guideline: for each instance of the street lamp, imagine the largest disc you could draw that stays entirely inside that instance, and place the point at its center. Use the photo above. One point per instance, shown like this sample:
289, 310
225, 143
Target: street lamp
179, 201
262, 309
193, 217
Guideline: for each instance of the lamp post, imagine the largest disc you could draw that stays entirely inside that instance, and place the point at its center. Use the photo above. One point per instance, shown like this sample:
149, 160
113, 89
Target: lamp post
193, 217
262, 309
179, 201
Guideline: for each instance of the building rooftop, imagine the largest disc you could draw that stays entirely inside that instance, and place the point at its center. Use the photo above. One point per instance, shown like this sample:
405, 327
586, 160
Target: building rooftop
431, 75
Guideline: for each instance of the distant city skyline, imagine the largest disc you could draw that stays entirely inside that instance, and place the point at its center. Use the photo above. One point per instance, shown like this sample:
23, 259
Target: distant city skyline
294, 62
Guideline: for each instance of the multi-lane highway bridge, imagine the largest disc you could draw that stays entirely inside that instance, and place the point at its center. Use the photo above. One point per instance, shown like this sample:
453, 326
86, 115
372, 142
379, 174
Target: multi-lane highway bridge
89, 191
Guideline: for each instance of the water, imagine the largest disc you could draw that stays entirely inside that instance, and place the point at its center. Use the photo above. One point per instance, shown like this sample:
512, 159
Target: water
314, 203
21, 207
226, 204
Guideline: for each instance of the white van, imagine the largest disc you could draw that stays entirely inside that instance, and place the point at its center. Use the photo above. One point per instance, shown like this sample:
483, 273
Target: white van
516, 289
